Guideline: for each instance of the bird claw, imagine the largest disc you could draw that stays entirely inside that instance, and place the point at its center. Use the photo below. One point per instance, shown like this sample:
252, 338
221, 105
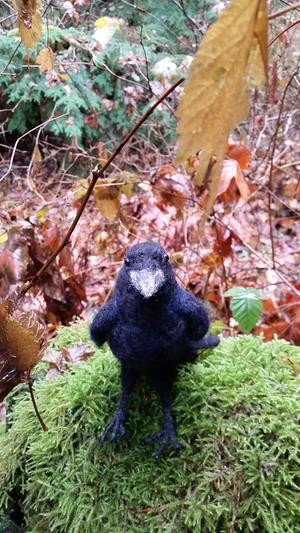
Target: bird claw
167, 438
116, 428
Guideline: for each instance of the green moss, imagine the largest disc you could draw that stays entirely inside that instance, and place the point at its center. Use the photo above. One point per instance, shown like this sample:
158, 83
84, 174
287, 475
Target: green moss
238, 414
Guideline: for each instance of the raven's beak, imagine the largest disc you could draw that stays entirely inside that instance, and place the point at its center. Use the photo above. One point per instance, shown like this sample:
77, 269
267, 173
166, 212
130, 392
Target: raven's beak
147, 282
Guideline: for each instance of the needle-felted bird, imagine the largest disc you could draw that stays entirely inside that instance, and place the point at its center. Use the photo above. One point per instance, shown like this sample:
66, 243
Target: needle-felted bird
152, 326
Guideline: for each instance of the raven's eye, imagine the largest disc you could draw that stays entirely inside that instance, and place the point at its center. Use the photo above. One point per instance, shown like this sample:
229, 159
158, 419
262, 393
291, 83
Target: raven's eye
166, 258
126, 261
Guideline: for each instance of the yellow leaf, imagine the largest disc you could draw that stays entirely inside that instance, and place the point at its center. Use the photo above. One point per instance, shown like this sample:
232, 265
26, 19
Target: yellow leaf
108, 207
106, 27
36, 155
29, 21
80, 189
3, 236
231, 58
42, 213
107, 199
129, 181
45, 59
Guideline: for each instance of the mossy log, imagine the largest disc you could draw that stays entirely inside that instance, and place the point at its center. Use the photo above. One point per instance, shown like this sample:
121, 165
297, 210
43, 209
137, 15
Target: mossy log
238, 417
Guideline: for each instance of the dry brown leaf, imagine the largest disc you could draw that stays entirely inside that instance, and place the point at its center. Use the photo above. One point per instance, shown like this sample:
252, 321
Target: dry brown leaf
36, 155
60, 360
29, 21
45, 59
231, 170
231, 58
22, 341
107, 199
172, 189
91, 119
240, 153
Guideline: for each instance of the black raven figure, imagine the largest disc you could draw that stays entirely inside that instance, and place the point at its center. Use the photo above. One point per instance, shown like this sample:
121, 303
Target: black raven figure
152, 326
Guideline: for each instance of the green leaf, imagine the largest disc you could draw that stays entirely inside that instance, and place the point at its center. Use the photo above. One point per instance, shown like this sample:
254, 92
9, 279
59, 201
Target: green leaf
242, 291
246, 306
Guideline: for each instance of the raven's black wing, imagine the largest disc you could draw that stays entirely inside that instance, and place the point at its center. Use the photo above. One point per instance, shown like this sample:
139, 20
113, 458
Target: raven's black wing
103, 322
197, 320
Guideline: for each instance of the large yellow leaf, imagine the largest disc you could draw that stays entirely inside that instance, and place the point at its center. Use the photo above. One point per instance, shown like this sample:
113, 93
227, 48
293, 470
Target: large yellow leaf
232, 57
29, 21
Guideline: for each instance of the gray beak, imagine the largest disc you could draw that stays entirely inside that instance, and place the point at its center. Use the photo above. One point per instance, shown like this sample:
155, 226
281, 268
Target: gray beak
147, 282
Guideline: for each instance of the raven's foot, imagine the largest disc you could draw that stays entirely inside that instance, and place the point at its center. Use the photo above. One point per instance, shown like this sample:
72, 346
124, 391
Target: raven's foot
167, 437
115, 428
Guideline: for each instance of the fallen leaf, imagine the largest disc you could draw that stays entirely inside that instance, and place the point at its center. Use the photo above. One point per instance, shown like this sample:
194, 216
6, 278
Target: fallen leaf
36, 155
231, 170
42, 214
240, 153
60, 360
3, 236
45, 59
107, 199
91, 120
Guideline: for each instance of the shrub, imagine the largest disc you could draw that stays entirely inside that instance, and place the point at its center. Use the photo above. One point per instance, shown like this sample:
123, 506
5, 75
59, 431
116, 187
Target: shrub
238, 416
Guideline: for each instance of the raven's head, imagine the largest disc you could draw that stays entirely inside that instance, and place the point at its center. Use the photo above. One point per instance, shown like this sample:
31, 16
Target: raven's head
147, 269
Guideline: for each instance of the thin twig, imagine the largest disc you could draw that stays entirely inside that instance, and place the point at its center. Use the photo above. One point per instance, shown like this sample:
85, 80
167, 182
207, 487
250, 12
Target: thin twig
284, 31
96, 174
7, 5
270, 181
146, 60
260, 257
8, 17
283, 11
41, 421
11, 58
182, 8
138, 8
24, 135
36, 146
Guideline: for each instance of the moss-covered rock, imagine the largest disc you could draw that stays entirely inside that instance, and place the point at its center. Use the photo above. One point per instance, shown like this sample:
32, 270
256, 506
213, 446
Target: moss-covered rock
238, 415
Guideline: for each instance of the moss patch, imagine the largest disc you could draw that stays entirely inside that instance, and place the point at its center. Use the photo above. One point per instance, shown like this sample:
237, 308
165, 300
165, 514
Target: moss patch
238, 415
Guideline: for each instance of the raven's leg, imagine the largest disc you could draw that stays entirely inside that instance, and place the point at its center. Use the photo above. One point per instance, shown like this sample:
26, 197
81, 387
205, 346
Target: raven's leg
116, 426
167, 433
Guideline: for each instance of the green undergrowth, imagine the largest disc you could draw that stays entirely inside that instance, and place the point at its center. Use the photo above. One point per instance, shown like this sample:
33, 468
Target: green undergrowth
238, 415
